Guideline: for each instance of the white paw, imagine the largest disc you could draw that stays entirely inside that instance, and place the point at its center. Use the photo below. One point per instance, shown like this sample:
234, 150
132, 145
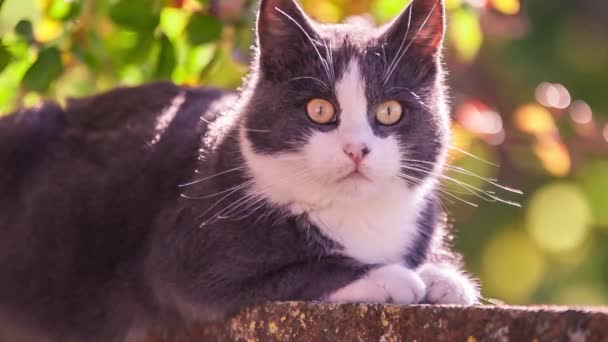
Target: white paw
445, 285
391, 283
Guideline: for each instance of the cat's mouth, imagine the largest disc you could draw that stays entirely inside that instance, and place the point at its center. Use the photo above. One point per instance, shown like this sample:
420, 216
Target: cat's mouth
355, 175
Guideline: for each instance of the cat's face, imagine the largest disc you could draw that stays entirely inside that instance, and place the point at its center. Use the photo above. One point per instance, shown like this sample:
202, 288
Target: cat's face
345, 111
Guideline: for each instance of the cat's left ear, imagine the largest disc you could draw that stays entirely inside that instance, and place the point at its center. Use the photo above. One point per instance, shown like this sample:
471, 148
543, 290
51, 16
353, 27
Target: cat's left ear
420, 28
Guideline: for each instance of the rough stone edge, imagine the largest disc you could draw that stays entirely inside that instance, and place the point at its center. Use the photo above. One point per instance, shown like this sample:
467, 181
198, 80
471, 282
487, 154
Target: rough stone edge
365, 322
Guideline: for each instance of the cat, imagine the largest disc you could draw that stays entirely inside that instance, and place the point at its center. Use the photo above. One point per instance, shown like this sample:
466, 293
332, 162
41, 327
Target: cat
145, 208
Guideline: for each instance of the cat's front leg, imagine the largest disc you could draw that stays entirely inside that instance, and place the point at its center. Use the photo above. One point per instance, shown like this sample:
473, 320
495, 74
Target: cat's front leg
446, 284
391, 283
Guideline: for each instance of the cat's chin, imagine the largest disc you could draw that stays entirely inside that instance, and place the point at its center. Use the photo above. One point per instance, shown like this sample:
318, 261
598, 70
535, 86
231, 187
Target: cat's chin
356, 185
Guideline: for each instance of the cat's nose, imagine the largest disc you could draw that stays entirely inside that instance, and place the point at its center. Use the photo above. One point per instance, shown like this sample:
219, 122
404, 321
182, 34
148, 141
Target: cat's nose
356, 152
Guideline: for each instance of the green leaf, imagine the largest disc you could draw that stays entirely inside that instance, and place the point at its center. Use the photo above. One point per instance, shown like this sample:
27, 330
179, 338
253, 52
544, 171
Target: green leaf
5, 57
25, 29
87, 57
64, 9
166, 59
203, 29
138, 15
142, 49
47, 68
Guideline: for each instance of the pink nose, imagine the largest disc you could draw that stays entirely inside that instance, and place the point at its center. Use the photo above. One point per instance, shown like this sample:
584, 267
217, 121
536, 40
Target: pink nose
356, 152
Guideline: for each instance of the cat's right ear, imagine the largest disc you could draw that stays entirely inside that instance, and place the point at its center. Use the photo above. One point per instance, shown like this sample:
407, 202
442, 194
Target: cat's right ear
283, 30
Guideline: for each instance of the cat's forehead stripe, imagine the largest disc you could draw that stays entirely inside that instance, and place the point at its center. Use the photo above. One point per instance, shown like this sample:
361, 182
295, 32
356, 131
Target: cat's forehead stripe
350, 92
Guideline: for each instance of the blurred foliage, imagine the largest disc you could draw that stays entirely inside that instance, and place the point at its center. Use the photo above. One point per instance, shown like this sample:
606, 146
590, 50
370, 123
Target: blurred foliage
528, 92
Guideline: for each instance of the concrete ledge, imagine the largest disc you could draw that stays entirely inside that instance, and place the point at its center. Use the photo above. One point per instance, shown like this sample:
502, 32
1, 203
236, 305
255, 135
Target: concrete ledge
298, 321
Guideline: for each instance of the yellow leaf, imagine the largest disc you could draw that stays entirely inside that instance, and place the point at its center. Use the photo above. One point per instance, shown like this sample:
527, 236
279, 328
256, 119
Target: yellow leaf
47, 29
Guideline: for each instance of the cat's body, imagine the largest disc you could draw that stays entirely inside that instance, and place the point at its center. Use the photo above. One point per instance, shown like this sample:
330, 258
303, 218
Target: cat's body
145, 207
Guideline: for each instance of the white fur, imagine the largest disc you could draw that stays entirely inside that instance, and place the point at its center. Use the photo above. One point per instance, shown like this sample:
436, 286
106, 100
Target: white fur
393, 283
374, 219
445, 285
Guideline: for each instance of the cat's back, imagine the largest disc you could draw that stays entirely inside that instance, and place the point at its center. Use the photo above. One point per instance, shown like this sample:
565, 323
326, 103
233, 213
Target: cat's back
81, 185
118, 126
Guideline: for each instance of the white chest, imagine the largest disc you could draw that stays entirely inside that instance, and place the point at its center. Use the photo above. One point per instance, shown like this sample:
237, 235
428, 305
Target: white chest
379, 230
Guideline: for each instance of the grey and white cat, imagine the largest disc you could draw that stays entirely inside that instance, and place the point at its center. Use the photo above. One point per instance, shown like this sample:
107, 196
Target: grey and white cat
144, 208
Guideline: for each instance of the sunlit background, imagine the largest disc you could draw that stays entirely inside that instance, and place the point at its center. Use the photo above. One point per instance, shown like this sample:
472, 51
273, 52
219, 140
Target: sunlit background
529, 92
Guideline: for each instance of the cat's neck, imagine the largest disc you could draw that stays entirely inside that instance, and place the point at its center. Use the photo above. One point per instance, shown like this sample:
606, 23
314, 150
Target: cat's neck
379, 229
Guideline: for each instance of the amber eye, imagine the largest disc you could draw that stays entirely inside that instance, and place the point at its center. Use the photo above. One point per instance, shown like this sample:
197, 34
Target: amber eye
320, 111
389, 113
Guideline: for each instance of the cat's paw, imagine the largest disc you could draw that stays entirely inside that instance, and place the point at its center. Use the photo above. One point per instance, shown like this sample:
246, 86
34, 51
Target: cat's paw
446, 285
391, 283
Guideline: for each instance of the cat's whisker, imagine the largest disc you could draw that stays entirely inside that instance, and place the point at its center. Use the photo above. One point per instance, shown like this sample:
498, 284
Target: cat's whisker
447, 193
252, 210
227, 211
468, 154
480, 193
240, 186
311, 78
255, 130
461, 170
224, 212
330, 56
212, 176
387, 72
258, 202
416, 96
218, 202
384, 61
442, 192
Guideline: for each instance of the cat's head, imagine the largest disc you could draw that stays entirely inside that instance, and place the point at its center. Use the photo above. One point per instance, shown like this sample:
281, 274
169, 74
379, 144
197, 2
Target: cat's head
341, 112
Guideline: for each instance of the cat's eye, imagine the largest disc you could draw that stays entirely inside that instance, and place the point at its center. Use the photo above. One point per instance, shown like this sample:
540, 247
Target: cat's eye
321, 111
389, 113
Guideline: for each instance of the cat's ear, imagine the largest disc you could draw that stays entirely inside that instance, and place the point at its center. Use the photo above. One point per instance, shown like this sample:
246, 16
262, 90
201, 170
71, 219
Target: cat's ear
283, 30
420, 28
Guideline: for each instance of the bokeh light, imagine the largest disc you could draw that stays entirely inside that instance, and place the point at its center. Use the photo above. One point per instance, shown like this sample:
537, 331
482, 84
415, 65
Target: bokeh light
594, 181
580, 112
510, 7
465, 34
558, 217
534, 119
553, 155
478, 118
580, 294
553, 95
512, 266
